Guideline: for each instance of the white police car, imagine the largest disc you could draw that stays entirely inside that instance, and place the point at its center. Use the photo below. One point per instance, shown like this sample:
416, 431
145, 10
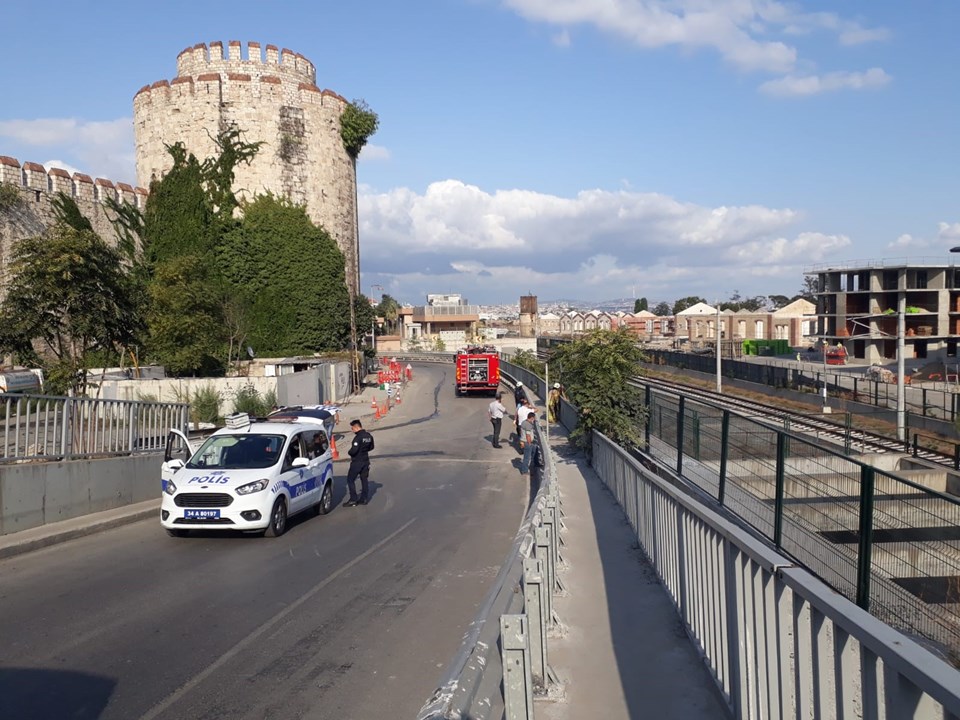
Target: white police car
247, 476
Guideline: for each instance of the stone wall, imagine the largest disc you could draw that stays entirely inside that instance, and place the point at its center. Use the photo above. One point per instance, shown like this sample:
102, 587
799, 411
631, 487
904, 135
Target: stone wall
271, 97
38, 187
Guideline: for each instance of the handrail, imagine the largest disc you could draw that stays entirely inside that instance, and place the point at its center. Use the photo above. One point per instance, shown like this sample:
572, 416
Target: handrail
45, 427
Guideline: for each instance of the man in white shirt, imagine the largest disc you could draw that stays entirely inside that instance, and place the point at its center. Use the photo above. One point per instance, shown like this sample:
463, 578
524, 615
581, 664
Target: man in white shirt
496, 411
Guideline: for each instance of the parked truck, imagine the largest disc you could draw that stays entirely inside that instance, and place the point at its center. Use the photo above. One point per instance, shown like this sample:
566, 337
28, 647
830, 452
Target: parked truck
478, 370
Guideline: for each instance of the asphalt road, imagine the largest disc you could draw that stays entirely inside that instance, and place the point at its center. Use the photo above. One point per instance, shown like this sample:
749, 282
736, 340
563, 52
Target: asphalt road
350, 616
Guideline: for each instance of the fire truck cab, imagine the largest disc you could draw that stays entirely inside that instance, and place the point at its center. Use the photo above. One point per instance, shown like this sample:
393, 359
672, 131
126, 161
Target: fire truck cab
478, 370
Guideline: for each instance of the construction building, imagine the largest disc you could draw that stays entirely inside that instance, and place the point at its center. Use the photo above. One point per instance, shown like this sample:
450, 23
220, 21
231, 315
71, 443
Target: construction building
859, 304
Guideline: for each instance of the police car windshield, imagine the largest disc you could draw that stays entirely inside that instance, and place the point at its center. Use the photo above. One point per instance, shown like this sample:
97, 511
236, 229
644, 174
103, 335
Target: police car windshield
238, 452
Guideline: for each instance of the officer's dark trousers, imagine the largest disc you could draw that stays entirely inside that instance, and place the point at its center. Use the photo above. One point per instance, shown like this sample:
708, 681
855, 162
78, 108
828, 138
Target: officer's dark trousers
496, 422
361, 470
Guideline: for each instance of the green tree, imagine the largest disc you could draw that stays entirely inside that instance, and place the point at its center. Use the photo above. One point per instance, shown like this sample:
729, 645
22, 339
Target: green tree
186, 327
640, 304
662, 309
810, 288
595, 369
389, 310
779, 301
292, 274
358, 123
528, 360
686, 302
67, 298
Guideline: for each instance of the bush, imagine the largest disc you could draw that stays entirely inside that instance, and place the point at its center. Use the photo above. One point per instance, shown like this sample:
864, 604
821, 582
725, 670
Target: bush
248, 400
205, 405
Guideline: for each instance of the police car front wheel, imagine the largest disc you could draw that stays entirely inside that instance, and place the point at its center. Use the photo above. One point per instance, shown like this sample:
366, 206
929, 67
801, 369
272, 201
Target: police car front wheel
278, 519
326, 501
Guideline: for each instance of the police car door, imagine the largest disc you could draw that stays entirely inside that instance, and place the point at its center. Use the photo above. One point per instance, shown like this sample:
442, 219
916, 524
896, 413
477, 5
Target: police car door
296, 474
177, 453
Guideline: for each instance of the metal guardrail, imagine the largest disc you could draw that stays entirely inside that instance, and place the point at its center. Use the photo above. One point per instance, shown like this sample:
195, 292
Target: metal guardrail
881, 539
941, 404
42, 427
502, 662
778, 642
436, 357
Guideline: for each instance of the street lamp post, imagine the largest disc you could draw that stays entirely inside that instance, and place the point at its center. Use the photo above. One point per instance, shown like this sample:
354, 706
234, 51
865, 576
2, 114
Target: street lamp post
373, 322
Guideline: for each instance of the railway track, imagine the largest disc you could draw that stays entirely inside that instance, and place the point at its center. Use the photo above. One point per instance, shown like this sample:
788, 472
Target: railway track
864, 440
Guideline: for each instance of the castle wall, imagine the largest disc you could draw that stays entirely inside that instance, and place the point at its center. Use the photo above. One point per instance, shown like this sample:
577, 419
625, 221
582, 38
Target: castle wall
35, 213
271, 97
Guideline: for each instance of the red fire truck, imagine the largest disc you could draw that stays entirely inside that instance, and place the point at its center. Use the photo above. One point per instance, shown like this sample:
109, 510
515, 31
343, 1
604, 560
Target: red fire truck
478, 370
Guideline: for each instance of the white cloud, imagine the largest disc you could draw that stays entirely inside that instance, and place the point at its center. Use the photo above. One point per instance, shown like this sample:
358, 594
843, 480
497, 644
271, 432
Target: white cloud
740, 31
946, 231
859, 36
562, 39
592, 245
374, 153
49, 164
722, 26
795, 86
98, 148
908, 242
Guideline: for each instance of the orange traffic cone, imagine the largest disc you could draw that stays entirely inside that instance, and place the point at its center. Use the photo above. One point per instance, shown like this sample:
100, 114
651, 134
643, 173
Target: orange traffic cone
373, 404
378, 415
333, 447
398, 398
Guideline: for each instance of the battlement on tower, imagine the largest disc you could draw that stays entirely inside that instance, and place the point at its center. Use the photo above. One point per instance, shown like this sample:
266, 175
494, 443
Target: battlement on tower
31, 176
255, 61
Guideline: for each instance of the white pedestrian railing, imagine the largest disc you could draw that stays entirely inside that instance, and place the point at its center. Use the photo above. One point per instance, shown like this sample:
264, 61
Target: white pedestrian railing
778, 641
41, 427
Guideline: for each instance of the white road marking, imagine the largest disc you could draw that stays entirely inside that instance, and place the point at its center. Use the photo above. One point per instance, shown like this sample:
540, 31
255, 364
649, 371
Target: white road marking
249, 639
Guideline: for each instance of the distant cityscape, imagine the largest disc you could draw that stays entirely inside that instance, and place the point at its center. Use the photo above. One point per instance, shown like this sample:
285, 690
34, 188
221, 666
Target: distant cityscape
507, 311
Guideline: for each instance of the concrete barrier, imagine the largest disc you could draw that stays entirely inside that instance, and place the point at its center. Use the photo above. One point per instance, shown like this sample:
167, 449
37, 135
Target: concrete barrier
35, 494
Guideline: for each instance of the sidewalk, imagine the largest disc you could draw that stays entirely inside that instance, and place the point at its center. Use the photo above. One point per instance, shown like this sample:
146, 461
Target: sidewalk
624, 652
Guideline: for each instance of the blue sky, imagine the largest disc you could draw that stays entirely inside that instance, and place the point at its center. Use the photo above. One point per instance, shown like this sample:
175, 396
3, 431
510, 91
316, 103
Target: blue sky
583, 149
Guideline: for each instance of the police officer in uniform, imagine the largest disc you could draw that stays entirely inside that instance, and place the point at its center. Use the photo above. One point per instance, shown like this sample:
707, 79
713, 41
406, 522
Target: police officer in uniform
359, 464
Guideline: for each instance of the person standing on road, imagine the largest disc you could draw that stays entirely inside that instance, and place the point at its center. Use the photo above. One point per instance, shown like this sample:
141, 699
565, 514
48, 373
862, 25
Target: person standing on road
523, 407
519, 393
496, 411
359, 464
529, 437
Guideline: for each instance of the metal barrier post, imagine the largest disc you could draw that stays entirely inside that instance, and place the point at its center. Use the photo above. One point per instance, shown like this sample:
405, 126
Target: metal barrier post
542, 543
778, 501
534, 607
66, 435
550, 523
916, 443
517, 679
724, 443
646, 430
680, 414
867, 477
848, 423
956, 456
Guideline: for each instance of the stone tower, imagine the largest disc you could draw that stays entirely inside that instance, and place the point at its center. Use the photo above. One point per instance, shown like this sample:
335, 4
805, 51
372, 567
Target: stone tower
528, 316
271, 97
